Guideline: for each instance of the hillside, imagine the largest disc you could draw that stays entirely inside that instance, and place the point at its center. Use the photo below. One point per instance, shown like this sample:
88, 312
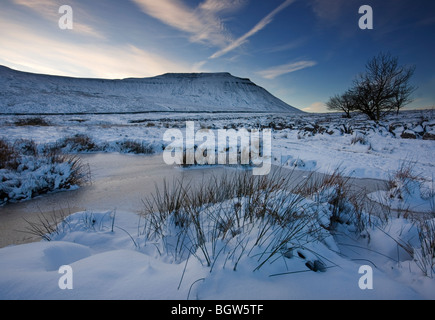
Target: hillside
24, 93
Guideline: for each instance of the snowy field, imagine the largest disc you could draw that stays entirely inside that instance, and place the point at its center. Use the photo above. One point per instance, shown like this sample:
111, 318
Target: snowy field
223, 251
322, 143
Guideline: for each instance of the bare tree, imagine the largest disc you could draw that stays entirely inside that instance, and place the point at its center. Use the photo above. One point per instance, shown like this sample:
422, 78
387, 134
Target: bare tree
385, 87
343, 103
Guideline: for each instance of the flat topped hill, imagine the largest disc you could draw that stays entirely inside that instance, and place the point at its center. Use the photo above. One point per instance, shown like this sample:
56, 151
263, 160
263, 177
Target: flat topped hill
23, 92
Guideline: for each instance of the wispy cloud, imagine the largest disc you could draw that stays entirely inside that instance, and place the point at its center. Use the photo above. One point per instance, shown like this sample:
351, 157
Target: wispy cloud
257, 28
203, 23
285, 47
277, 71
219, 6
49, 10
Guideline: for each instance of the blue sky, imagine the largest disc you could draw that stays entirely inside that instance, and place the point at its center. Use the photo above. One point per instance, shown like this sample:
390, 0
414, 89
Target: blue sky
302, 51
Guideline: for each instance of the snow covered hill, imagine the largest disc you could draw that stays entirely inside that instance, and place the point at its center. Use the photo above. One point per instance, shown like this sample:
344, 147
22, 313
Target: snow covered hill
25, 93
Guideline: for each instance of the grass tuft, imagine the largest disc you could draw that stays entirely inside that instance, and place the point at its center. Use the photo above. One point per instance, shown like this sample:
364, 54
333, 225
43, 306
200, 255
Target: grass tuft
27, 172
8, 156
231, 216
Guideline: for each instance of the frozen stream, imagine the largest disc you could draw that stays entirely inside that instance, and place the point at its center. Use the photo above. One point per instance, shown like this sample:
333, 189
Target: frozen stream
119, 182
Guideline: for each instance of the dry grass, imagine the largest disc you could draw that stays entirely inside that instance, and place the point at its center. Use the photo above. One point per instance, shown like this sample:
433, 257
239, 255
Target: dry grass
347, 205
47, 225
36, 121
48, 171
77, 143
8, 156
80, 173
425, 256
406, 172
220, 214
135, 147
359, 138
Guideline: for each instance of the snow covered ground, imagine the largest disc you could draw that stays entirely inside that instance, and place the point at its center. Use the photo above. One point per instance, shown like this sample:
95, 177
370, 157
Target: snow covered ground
120, 264
111, 257
322, 143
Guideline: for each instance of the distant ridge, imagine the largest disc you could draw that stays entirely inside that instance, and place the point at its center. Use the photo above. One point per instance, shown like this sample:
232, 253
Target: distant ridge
26, 93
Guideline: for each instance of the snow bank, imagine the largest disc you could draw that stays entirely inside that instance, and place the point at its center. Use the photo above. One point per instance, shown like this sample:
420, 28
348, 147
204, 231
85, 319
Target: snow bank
112, 257
33, 174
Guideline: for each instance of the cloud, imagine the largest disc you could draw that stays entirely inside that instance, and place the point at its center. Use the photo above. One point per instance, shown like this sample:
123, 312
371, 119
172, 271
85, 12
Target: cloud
202, 23
198, 67
327, 10
49, 10
27, 51
38, 5
316, 107
285, 47
257, 28
221, 6
331, 11
277, 71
